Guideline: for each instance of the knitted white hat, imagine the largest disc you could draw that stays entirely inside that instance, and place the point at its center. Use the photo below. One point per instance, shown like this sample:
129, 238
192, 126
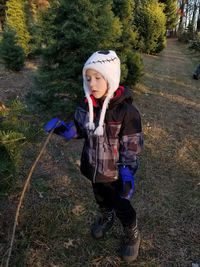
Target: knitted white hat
107, 64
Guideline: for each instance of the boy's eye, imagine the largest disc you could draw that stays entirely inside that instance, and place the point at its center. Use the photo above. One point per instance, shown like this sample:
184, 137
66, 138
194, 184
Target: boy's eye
88, 79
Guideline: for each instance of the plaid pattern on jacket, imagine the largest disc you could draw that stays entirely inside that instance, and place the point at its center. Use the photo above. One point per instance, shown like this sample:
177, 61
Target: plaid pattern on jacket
122, 140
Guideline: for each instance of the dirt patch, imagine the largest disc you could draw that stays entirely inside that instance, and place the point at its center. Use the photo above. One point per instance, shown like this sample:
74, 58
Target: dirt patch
17, 84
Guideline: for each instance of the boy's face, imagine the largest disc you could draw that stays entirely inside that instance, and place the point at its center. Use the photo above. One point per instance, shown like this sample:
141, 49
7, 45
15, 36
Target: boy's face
96, 83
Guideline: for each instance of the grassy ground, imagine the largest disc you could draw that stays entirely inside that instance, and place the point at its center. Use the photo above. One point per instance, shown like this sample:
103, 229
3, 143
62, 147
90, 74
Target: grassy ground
54, 224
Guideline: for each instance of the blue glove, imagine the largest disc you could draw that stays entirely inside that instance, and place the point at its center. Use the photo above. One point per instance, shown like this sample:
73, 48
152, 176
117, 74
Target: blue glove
128, 182
67, 130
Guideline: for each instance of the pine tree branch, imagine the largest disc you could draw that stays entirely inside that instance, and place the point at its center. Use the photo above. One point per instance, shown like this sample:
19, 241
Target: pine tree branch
13, 140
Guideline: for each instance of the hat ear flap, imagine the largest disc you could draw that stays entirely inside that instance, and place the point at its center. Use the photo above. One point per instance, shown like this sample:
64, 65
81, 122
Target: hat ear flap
90, 125
99, 129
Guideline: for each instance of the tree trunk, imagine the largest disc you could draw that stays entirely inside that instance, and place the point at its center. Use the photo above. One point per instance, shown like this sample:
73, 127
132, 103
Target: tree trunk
198, 21
181, 22
193, 21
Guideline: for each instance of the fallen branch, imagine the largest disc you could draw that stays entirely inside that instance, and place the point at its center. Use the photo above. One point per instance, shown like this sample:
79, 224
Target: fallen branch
23, 194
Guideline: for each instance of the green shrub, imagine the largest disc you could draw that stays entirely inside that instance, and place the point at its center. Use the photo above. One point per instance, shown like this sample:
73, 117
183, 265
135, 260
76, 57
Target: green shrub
161, 43
79, 29
150, 22
187, 35
131, 63
135, 67
183, 37
16, 20
13, 131
195, 44
11, 53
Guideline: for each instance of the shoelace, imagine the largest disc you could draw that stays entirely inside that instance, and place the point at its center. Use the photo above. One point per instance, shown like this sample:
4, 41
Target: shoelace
131, 234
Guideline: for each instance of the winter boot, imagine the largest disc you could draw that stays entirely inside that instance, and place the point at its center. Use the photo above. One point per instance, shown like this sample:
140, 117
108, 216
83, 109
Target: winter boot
131, 243
103, 224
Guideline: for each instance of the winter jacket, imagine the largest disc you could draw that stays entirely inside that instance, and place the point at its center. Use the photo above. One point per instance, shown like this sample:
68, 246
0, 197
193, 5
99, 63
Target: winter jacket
122, 140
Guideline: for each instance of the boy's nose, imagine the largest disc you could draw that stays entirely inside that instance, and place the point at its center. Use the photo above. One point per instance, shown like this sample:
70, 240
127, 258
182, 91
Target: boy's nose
92, 82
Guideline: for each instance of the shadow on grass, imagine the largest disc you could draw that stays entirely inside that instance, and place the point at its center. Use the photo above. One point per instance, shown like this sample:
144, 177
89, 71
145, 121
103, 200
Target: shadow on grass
54, 228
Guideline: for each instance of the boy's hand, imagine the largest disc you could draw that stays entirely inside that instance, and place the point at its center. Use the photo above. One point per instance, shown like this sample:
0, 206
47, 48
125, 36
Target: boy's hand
67, 130
128, 182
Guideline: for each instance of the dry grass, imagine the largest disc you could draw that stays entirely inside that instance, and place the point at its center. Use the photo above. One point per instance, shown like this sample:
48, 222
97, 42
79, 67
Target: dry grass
59, 209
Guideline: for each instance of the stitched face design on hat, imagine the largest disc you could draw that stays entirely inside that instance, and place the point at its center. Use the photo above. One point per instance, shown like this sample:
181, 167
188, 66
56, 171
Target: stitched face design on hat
107, 63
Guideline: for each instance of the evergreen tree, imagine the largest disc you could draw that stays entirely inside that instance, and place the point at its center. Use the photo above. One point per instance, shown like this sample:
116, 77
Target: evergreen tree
11, 53
39, 5
131, 61
34, 11
170, 11
2, 13
13, 131
16, 21
35, 7
150, 21
79, 28
125, 11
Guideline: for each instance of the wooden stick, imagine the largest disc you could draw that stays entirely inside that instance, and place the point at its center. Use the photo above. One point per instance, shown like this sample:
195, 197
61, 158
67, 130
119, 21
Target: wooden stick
23, 194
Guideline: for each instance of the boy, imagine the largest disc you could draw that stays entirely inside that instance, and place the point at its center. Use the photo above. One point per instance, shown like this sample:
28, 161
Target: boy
111, 127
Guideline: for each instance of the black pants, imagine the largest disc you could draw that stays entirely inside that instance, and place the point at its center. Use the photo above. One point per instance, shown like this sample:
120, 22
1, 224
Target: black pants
107, 196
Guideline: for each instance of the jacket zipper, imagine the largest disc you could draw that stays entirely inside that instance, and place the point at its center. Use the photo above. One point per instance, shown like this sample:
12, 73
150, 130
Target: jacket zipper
96, 155
96, 161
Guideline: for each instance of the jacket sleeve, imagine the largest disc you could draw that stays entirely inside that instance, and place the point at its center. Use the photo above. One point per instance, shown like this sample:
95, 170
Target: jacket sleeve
131, 138
79, 121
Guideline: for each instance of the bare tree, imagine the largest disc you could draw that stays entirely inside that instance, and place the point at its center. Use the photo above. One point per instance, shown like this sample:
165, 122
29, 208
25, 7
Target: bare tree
189, 11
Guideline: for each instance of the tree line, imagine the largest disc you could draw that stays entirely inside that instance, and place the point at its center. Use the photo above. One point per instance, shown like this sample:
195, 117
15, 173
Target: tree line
65, 32
188, 28
189, 12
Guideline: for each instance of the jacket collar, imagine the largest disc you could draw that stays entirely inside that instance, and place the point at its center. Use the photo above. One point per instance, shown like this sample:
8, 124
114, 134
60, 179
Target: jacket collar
98, 103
